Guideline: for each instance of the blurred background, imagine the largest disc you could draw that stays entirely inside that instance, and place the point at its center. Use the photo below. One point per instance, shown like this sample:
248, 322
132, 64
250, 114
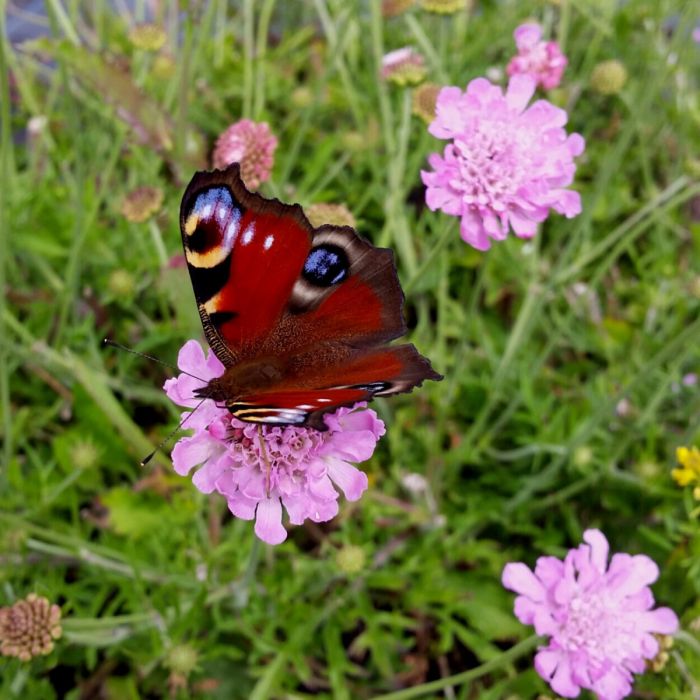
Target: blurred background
571, 361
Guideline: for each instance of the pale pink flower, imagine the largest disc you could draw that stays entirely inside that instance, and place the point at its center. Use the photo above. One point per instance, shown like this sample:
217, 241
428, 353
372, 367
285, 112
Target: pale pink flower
541, 60
403, 66
696, 34
508, 163
307, 466
599, 617
251, 144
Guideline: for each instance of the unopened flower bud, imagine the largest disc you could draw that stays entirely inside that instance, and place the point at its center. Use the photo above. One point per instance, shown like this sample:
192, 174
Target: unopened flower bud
351, 559
608, 77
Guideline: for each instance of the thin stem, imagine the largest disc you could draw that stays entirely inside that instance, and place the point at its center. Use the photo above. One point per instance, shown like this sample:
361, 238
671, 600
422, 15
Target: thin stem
444, 236
242, 592
248, 56
520, 649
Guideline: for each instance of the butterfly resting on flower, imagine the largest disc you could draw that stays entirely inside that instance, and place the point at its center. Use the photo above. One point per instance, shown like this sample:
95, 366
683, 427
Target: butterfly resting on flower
299, 316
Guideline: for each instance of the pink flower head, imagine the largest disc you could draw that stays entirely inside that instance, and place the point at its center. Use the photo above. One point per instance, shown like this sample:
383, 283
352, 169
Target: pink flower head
306, 465
252, 145
598, 616
696, 34
507, 164
541, 60
403, 66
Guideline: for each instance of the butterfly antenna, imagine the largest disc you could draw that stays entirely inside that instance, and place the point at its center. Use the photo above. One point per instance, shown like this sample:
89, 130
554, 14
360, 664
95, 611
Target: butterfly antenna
107, 341
150, 456
266, 459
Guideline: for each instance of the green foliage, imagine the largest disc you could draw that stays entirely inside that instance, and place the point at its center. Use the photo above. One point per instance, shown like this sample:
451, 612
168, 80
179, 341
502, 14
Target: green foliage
561, 408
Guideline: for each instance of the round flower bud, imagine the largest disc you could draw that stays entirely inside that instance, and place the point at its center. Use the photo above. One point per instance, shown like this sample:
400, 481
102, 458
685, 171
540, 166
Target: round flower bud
583, 455
351, 559
182, 659
84, 454
302, 97
121, 283
28, 628
608, 77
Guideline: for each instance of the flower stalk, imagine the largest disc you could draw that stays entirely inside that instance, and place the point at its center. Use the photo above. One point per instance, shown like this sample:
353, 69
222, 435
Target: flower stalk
507, 657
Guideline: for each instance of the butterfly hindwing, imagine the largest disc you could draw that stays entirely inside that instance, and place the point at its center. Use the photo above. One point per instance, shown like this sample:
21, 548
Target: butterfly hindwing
304, 399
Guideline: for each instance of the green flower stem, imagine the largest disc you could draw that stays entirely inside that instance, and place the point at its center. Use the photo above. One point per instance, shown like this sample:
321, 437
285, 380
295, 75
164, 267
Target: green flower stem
7, 171
521, 649
62, 19
105, 631
248, 56
158, 243
241, 593
260, 51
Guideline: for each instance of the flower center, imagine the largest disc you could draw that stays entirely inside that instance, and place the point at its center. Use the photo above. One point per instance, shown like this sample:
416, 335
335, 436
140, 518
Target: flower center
288, 450
595, 624
492, 164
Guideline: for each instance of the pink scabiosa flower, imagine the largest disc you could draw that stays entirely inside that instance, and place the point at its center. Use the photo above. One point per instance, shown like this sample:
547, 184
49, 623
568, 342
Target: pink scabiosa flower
541, 60
251, 144
599, 617
404, 66
306, 466
508, 163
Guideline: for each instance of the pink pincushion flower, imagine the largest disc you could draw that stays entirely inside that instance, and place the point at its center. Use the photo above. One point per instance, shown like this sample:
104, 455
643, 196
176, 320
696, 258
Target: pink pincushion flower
541, 60
252, 145
599, 617
508, 163
306, 465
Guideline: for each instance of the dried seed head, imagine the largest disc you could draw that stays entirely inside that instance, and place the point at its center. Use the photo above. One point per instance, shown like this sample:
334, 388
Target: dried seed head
333, 214
28, 628
140, 204
148, 37
424, 101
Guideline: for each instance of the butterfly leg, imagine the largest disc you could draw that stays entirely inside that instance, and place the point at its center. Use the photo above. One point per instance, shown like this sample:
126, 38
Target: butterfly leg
266, 459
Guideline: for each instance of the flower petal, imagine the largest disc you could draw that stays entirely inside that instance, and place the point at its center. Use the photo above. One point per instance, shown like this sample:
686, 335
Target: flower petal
351, 481
268, 521
520, 89
519, 578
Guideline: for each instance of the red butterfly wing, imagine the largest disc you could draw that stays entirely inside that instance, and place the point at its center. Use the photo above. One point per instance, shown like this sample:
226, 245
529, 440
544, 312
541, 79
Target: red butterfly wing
244, 254
304, 399
293, 312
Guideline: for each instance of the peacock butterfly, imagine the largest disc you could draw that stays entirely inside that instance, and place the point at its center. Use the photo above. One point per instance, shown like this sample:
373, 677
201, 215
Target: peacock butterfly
299, 316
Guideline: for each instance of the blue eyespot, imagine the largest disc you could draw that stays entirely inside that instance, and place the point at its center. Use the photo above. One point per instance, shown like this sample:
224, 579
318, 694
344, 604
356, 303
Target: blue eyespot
326, 265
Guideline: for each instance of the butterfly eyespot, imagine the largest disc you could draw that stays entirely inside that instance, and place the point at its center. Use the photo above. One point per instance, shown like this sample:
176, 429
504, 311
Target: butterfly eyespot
326, 265
211, 227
